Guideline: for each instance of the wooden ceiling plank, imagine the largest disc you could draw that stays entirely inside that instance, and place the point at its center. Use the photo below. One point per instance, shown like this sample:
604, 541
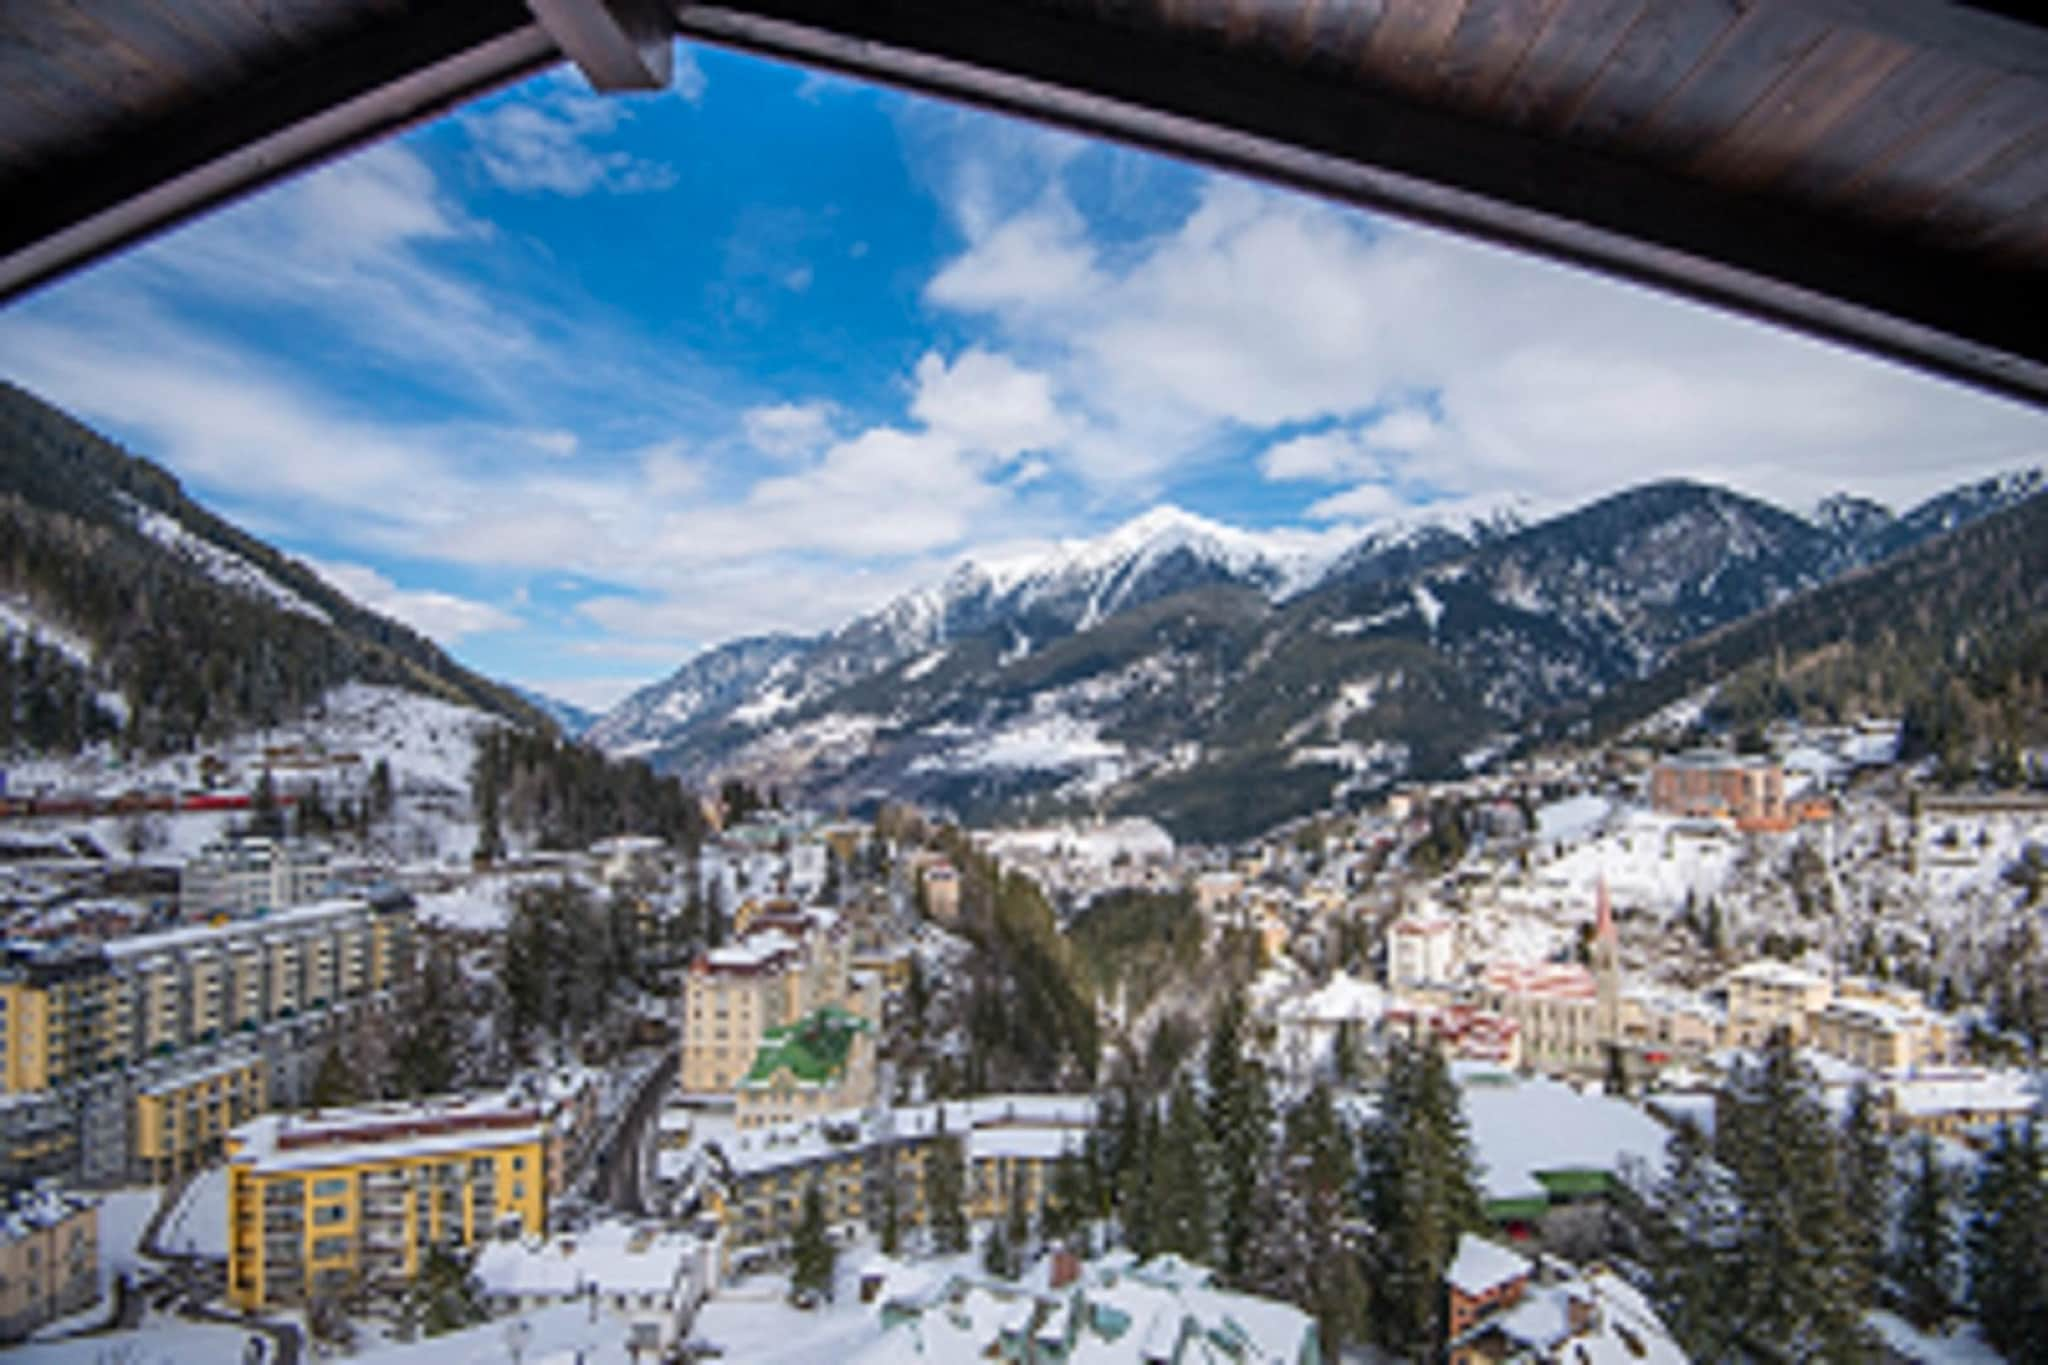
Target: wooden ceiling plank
1660, 49
1565, 59
1487, 47
71, 45
1403, 49
1829, 85
1752, 57
174, 37
1999, 192
1920, 94
1332, 33
1909, 185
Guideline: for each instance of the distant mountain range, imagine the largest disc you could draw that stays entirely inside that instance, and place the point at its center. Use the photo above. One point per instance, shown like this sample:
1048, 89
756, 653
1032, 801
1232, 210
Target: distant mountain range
572, 720
1224, 680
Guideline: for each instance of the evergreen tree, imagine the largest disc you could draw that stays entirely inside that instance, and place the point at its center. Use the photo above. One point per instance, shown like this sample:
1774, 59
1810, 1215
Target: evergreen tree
444, 1295
1180, 1180
1927, 1240
1017, 1224
1239, 1119
890, 1229
334, 1084
1421, 1194
942, 1184
1300, 1250
1867, 1180
1136, 1206
811, 1251
1690, 1243
427, 1055
1067, 1203
2007, 1244
380, 795
266, 817
1792, 1281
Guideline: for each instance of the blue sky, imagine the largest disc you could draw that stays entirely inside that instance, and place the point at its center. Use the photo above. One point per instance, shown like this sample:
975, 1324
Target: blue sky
582, 385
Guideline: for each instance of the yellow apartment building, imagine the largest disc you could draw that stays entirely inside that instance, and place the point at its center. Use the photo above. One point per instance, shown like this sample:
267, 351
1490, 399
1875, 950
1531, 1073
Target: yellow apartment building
326, 1202
796, 962
181, 1121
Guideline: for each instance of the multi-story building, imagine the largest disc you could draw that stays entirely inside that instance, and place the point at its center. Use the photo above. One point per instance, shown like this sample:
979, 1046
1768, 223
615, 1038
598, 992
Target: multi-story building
1421, 951
1714, 784
794, 963
822, 1062
150, 1047
1766, 995
1555, 1007
49, 1259
247, 875
182, 1119
67, 1013
1004, 1143
1880, 1034
332, 1201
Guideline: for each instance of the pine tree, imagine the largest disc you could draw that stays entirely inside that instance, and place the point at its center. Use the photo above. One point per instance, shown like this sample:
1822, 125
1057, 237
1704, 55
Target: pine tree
1867, 1180
1422, 1193
1067, 1203
890, 1229
942, 1184
2007, 1244
334, 1084
1927, 1240
814, 1257
1239, 1118
1792, 1282
1180, 1173
1017, 1227
1689, 1244
1137, 1208
1300, 1249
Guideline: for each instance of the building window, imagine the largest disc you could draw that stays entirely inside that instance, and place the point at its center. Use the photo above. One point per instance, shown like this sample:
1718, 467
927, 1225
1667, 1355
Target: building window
330, 1213
328, 1189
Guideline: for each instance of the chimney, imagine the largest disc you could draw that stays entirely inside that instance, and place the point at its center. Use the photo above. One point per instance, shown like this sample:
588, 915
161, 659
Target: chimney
1066, 1268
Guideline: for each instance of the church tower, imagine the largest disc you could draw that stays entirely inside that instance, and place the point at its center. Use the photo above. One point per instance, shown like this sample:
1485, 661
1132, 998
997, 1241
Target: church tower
1606, 968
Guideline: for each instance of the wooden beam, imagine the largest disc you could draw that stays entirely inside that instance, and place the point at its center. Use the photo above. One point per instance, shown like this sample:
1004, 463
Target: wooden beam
616, 44
1317, 127
316, 106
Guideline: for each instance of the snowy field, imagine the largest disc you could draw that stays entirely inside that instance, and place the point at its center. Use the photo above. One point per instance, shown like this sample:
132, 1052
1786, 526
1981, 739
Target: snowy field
200, 1223
161, 1340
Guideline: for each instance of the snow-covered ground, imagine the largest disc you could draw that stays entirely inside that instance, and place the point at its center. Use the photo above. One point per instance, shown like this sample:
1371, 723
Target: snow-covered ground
161, 1340
199, 1225
222, 565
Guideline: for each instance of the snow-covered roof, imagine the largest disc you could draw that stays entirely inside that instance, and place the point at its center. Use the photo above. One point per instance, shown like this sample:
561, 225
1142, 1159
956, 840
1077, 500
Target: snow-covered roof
1965, 1092
1539, 1125
318, 1139
1771, 972
1481, 1265
613, 1257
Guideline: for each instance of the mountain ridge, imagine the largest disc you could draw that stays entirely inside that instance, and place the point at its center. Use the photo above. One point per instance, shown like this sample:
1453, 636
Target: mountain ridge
1410, 653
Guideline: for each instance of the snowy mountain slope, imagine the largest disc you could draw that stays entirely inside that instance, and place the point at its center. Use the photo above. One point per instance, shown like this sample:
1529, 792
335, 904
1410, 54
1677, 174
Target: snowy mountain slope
734, 691
222, 565
1171, 669
197, 626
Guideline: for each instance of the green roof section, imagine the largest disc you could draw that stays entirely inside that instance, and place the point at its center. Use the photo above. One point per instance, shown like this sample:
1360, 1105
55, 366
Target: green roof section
814, 1048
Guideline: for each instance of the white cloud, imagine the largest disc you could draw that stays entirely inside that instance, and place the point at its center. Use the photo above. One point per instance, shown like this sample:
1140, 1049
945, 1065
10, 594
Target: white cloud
788, 431
441, 616
987, 402
1261, 310
544, 143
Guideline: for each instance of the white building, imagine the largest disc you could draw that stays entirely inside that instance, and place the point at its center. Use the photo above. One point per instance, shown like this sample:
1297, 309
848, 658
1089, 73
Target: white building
1422, 950
243, 876
650, 1280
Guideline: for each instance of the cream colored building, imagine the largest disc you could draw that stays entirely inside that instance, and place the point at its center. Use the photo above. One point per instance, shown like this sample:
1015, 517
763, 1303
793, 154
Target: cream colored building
795, 963
1881, 1034
1766, 995
49, 1259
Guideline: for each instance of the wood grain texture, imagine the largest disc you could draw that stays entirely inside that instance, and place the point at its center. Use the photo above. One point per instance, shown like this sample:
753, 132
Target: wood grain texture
1660, 49
1831, 84
1561, 65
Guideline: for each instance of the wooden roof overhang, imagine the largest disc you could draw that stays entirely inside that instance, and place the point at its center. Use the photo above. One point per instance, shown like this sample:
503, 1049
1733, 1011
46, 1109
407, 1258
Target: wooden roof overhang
1871, 171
